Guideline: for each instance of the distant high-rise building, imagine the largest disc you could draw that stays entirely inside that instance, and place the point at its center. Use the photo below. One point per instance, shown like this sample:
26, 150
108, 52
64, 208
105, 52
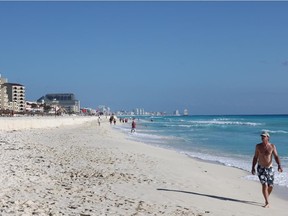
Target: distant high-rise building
104, 110
176, 113
16, 96
65, 100
185, 113
139, 111
3, 94
136, 111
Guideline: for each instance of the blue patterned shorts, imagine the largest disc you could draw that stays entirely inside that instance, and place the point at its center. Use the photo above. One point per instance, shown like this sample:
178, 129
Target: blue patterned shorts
266, 175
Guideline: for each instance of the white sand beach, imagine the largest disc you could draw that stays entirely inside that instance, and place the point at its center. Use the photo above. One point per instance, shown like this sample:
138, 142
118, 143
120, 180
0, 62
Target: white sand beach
61, 166
18, 123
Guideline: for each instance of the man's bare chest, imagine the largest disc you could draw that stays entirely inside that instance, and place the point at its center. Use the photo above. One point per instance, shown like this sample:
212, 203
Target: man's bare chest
266, 150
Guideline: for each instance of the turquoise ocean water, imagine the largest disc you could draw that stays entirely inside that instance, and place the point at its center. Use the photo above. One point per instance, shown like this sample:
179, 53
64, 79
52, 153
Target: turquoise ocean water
229, 140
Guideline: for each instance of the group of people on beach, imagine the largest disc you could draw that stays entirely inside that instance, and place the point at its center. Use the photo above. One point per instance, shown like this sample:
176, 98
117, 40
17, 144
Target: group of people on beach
125, 120
112, 119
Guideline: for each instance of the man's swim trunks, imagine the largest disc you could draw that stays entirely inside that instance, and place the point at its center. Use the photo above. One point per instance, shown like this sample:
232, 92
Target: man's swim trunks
266, 175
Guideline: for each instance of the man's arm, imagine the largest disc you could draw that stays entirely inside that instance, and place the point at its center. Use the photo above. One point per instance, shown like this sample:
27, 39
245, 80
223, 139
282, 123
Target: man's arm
255, 159
277, 159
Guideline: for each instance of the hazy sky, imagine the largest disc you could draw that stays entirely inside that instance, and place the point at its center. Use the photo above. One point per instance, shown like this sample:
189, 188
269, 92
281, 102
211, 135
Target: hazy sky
208, 57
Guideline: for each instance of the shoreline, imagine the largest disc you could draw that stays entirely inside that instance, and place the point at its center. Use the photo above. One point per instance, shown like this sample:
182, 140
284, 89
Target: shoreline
280, 191
92, 170
242, 164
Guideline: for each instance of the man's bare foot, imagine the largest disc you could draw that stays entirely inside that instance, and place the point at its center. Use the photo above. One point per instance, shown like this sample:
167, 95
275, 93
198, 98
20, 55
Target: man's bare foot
266, 205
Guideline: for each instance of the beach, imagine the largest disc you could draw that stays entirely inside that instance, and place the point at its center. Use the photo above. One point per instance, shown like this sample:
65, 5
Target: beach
72, 166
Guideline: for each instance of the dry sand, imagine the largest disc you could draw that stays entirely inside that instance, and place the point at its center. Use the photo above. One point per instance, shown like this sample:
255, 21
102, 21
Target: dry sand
80, 168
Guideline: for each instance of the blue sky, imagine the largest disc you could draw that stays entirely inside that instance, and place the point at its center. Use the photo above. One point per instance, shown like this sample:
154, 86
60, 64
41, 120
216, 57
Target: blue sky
208, 57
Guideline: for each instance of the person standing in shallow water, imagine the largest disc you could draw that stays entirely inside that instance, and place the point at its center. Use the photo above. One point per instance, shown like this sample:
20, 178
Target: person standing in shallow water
263, 156
133, 126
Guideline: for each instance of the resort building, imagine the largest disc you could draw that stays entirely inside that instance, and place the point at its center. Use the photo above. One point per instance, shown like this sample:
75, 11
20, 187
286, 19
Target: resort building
3, 94
176, 113
103, 110
16, 96
65, 100
139, 111
185, 113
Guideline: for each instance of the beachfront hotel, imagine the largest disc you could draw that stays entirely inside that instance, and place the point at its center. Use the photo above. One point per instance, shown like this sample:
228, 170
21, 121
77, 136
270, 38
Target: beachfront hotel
12, 96
139, 111
65, 100
16, 97
12, 99
186, 112
3, 94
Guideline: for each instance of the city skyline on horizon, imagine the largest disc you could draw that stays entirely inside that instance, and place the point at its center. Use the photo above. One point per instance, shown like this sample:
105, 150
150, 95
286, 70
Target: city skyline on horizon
207, 57
134, 110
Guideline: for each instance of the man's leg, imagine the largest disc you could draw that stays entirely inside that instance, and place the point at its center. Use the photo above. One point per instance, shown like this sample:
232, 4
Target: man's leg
270, 188
266, 190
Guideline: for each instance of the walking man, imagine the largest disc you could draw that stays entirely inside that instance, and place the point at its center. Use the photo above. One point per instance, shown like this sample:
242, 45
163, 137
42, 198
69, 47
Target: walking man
263, 156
